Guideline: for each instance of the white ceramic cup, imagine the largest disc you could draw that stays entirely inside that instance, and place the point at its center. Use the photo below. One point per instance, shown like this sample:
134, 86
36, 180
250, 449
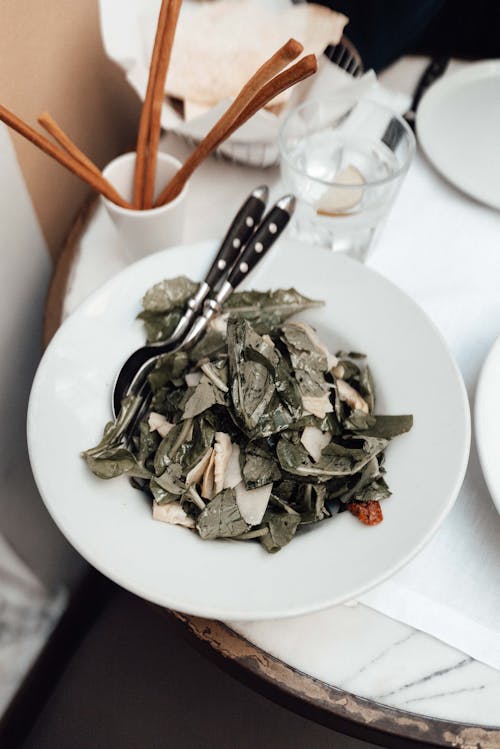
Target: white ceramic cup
146, 231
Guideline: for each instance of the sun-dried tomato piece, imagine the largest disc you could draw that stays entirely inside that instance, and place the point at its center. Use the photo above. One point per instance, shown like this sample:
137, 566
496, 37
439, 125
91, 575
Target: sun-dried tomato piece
370, 513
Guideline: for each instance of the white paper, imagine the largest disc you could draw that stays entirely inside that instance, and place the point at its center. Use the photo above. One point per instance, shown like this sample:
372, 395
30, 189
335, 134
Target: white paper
127, 35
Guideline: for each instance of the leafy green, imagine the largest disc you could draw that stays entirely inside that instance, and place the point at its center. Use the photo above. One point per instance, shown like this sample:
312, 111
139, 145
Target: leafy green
350, 370
171, 480
282, 528
169, 294
350, 355
256, 382
204, 397
337, 458
169, 368
202, 438
212, 343
268, 309
264, 397
159, 327
109, 458
148, 442
175, 442
389, 427
115, 461
163, 307
221, 517
258, 465
309, 363
359, 421
114, 430
367, 388
252, 385
374, 491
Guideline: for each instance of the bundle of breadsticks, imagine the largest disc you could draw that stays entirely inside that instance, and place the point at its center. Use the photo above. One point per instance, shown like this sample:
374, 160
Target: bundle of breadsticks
273, 77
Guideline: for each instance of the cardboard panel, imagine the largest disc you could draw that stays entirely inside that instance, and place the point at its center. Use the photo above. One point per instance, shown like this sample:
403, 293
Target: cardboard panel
52, 59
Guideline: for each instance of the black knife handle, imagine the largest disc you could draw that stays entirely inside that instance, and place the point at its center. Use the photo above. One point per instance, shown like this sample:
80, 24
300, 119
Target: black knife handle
434, 70
238, 234
266, 235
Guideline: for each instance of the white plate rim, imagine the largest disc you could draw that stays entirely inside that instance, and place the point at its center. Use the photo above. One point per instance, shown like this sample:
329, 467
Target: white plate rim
482, 414
297, 610
473, 72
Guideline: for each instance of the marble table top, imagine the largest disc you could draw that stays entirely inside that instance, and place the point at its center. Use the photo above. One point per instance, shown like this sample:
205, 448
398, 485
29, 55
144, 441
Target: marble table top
354, 647
28, 613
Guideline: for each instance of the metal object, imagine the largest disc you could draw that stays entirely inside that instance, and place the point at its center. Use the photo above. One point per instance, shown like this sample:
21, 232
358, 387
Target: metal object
256, 248
346, 56
238, 234
266, 235
265, 154
434, 70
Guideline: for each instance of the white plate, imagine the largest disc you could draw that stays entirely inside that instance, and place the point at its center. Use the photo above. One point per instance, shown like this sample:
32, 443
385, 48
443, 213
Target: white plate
458, 126
110, 523
487, 422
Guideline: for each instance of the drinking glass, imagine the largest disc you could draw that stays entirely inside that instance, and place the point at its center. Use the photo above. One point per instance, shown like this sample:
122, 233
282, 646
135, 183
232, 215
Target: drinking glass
345, 161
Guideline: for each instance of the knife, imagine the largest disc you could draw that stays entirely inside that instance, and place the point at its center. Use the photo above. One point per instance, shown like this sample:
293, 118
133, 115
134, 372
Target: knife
272, 226
433, 71
237, 236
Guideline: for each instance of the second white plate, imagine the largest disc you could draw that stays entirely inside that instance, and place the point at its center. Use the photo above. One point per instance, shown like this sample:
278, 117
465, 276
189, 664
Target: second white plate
458, 126
487, 421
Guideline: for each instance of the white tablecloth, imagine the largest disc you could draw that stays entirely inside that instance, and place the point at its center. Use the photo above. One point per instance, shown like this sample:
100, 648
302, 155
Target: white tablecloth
443, 249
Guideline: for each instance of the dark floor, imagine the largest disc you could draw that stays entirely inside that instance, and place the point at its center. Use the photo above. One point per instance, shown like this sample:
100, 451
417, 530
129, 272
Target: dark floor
135, 683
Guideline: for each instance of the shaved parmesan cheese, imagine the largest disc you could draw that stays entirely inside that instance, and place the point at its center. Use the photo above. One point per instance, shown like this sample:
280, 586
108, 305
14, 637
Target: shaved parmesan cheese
207, 486
268, 340
212, 375
351, 397
314, 440
252, 503
317, 405
331, 360
222, 450
157, 422
196, 473
219, 324
193, 379
232, 476
172, 513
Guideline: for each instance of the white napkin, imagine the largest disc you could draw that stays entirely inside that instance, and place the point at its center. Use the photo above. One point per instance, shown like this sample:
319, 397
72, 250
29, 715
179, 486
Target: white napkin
127, 32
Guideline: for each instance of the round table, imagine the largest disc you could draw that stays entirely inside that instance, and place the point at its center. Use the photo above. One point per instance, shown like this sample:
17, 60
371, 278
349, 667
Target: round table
384, 682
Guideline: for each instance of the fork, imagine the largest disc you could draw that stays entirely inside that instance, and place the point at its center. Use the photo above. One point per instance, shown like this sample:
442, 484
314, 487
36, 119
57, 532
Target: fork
256, 248
241, 229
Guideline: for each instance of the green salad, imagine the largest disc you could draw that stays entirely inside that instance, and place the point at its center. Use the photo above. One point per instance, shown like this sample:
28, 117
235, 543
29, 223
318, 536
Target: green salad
257, 431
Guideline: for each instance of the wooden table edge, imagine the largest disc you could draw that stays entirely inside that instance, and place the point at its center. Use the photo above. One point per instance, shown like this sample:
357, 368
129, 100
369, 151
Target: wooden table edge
312, 698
